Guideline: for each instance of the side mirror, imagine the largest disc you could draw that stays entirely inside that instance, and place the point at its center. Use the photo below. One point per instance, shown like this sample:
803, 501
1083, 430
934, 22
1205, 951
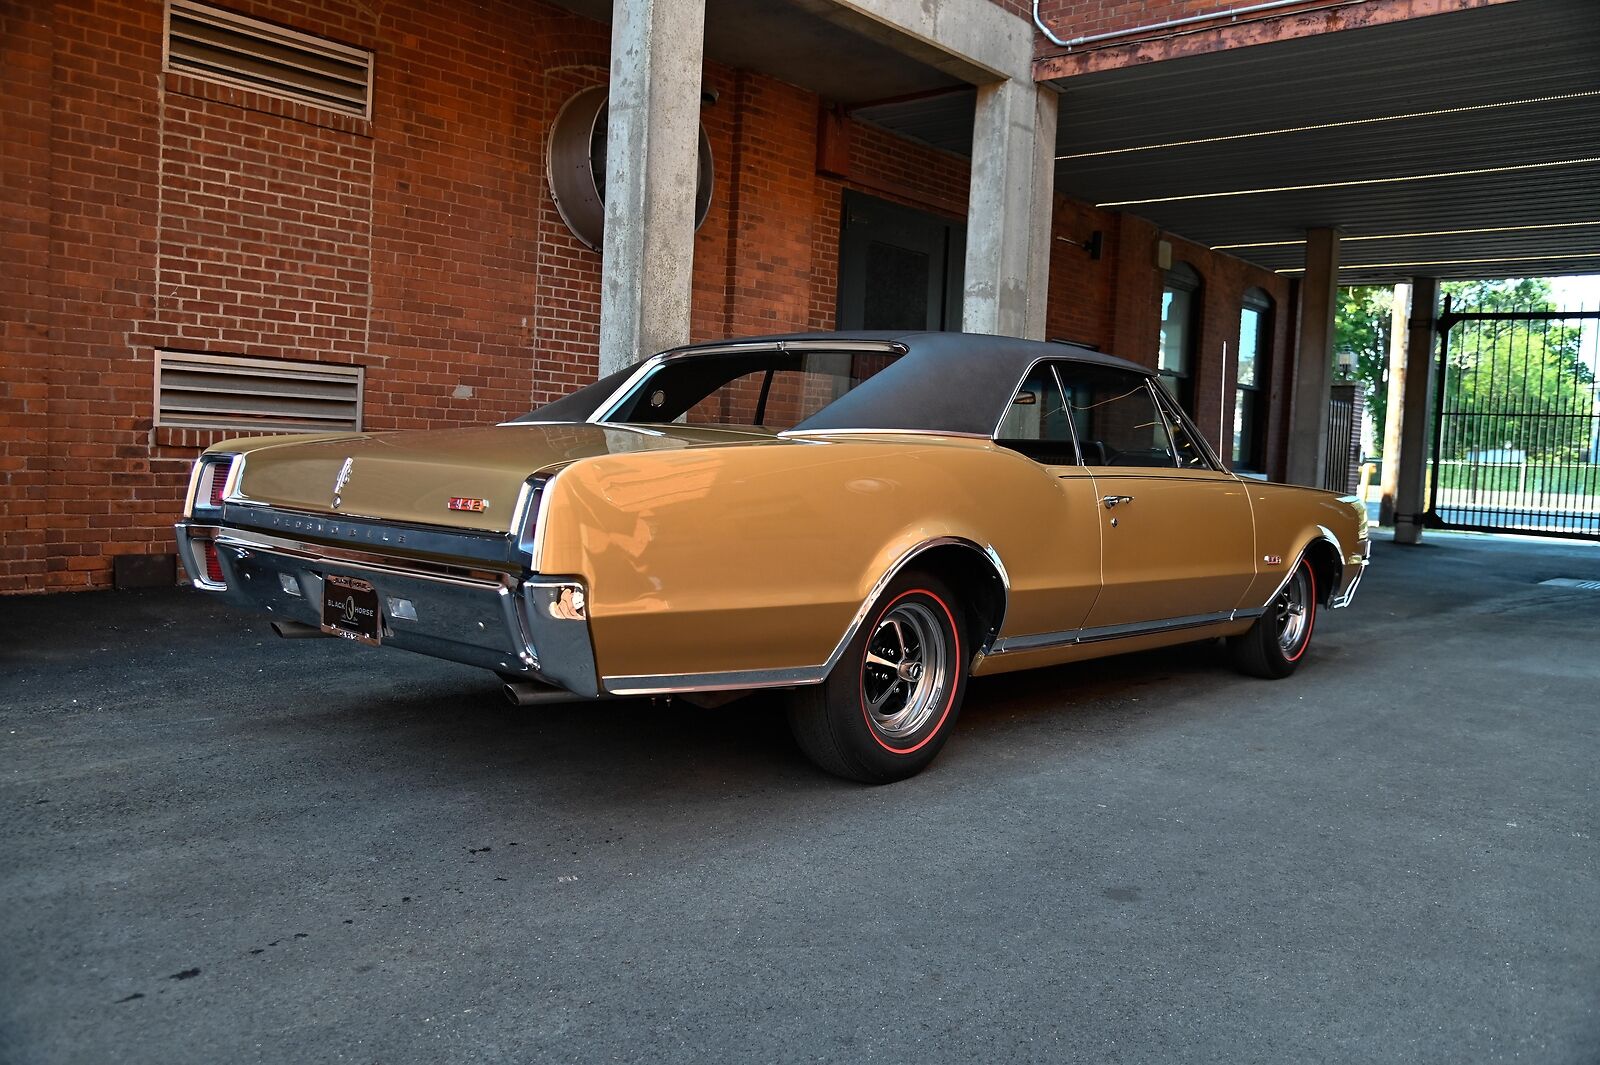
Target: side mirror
1025, 399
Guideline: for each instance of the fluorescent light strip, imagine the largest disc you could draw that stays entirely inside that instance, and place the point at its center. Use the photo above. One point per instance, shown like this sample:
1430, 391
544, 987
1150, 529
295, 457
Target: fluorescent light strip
1353, 184
1223, 138
1454, 262
1406, 236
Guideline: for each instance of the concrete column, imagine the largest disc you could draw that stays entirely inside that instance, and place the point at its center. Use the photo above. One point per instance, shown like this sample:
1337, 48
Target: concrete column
1411, 492
652, 139
1313, 370
1400, 308
1009, 210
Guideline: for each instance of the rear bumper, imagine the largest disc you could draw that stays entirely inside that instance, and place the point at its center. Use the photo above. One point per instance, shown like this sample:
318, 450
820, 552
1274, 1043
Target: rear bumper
515, 624
1355, 567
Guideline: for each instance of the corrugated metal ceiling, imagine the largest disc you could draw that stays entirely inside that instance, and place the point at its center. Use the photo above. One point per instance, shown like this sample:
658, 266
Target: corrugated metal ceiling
1511, 85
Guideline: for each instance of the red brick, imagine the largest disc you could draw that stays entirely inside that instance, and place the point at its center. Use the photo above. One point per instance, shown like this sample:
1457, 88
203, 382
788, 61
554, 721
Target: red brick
146, 211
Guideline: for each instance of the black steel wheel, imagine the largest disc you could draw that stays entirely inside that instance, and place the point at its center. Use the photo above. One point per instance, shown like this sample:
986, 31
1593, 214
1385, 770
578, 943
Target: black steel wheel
889, 704
1277, 642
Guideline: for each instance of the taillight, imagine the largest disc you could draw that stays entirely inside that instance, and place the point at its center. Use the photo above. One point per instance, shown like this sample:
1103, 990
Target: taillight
213, 479
208, 554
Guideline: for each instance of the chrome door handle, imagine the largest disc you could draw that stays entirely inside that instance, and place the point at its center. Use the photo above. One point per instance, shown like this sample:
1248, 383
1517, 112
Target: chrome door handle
1111, 501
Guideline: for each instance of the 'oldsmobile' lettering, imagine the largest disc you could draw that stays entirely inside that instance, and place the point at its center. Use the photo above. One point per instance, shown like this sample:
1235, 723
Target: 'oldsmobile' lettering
369, 534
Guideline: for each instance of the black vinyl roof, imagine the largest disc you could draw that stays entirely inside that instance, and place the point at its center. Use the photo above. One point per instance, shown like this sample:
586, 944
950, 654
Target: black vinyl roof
944, 382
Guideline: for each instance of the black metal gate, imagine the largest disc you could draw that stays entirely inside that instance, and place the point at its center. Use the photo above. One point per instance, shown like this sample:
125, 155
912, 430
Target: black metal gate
1516, 444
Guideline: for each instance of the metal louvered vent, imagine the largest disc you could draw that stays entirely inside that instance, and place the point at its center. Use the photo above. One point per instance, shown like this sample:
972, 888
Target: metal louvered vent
208, 42
257, 395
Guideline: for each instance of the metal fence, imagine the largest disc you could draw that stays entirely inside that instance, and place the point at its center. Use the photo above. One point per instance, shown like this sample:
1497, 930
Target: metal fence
1347, 409
1517, 428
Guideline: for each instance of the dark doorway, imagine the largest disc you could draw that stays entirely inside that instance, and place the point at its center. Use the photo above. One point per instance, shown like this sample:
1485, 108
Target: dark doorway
899, 268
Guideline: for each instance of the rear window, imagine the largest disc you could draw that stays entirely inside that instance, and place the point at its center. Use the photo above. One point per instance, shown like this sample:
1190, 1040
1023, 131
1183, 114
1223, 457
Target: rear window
773, 390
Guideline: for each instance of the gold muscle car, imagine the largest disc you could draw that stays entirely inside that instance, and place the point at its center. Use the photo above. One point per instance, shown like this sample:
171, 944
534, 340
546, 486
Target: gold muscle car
866, 520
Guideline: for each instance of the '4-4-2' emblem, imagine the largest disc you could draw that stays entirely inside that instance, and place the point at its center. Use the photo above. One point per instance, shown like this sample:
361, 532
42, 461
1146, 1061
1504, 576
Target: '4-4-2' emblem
340, 481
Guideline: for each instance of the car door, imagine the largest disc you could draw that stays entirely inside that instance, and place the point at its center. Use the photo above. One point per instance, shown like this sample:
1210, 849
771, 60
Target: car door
1177, 539
1056, 597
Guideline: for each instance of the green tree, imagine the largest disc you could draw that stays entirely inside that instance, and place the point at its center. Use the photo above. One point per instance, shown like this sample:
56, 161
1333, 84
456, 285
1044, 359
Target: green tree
1361, 343
1521, 385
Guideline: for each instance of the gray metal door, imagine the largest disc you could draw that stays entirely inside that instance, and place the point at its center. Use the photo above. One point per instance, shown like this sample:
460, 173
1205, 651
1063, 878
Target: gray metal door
899, 268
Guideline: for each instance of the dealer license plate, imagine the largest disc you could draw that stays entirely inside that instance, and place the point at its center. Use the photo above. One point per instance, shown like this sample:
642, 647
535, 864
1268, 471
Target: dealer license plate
350, 609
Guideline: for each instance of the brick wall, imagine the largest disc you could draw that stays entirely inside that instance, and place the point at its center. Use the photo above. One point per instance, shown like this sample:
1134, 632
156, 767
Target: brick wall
1136, 299
160, 211
26, 57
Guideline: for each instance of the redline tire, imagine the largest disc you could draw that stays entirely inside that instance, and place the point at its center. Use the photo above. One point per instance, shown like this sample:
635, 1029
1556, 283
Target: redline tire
894, 695
1276, 644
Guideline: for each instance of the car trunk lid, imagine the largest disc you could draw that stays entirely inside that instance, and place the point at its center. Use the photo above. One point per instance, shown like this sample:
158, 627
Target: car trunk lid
442, 477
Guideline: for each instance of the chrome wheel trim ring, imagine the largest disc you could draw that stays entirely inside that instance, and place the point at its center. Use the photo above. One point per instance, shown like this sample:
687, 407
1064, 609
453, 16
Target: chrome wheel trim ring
1292, 609
906, 672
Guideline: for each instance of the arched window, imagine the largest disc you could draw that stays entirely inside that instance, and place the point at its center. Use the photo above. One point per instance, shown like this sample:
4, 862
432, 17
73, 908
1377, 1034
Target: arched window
1252, 378
1180, 307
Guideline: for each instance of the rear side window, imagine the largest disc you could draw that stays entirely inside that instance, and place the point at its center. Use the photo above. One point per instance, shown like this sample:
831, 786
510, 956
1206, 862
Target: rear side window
1116, 418
1037, 423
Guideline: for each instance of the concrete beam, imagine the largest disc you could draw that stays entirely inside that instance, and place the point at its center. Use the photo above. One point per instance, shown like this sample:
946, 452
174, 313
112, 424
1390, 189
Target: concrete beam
1411, 492
1313, 368
974, 40
1009, 210
652, 140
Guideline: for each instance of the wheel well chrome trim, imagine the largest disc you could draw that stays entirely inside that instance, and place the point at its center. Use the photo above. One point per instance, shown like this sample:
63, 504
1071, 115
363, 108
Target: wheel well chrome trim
799, 676
1323, 534
987, 552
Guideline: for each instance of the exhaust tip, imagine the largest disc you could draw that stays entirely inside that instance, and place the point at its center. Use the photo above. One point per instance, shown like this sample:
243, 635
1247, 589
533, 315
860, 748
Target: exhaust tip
532, 693
297, 630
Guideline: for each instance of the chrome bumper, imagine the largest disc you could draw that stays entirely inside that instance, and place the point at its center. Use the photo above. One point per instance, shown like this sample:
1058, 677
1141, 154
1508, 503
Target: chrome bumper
1355, 567
518, 625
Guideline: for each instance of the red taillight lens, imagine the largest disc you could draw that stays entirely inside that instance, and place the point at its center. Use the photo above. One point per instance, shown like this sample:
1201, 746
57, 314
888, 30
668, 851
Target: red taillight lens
219, 478
213, 479
208, 552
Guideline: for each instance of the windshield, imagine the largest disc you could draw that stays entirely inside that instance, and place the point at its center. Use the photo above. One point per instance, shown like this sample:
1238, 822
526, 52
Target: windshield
773, 390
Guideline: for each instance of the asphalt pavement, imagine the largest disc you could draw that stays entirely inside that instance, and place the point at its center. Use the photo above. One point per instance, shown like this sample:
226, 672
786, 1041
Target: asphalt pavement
218, 846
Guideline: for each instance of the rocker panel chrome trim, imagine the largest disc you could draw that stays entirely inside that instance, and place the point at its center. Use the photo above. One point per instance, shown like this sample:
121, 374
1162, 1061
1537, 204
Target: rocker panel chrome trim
735, 680
1068, 637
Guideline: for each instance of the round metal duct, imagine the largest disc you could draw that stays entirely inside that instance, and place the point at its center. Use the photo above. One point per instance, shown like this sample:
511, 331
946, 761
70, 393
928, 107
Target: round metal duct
576, 164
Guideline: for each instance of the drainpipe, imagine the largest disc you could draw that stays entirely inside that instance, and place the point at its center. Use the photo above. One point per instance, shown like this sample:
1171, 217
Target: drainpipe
1157, 27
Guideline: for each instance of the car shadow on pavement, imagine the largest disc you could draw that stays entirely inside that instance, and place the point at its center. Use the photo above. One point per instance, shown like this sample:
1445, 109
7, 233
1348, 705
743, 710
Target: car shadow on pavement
641, 745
